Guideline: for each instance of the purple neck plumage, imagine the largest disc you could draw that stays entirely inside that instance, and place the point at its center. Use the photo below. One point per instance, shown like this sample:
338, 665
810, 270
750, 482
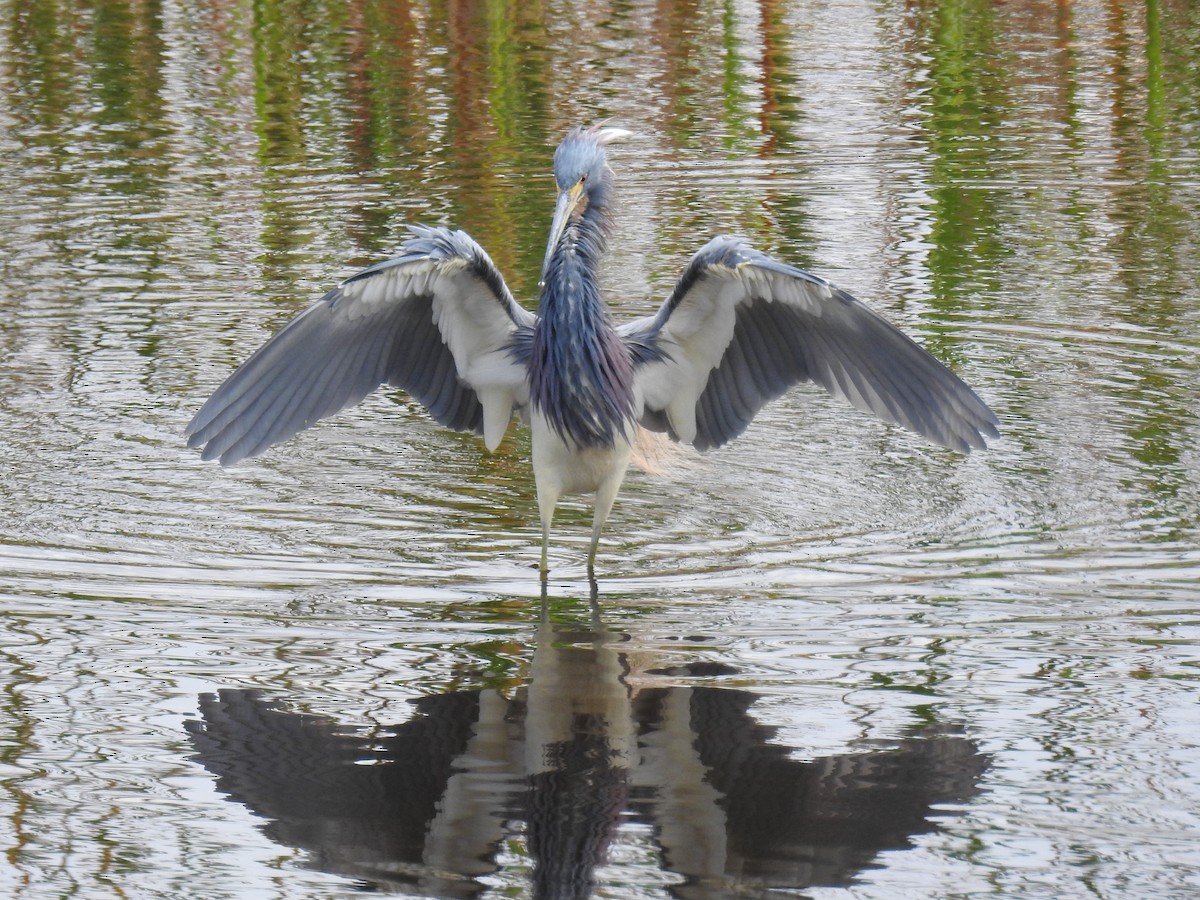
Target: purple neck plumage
581, 376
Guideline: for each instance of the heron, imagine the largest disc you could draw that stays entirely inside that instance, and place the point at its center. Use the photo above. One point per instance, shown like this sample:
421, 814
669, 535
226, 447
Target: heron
738, 330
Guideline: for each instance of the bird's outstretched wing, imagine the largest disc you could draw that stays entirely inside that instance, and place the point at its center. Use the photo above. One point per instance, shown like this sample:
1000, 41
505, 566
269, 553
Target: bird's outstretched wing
437, 321
741, 328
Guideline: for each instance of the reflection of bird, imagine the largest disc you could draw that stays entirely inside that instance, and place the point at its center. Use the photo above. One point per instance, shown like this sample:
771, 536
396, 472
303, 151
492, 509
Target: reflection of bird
737, 331
436, 804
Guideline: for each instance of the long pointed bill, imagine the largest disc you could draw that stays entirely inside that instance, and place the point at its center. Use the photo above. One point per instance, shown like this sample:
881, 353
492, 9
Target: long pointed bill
567, 201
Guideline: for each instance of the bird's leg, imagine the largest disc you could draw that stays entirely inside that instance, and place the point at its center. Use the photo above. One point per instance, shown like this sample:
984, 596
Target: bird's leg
606, 494
597, 524
547, 500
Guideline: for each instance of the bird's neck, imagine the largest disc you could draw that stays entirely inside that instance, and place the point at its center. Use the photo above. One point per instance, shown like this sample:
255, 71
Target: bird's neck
581, 376
583, 243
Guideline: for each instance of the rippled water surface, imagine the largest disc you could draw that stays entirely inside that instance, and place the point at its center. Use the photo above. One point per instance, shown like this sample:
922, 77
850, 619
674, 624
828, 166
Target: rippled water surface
828, 658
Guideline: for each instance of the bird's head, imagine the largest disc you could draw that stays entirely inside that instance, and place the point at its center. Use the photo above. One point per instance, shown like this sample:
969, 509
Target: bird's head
583, 177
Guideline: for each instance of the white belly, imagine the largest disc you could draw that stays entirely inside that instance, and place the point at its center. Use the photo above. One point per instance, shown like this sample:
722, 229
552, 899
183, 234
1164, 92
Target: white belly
560, 468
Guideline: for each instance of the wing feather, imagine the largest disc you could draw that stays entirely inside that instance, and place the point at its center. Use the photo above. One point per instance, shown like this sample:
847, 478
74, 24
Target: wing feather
304, 385
437, 321
741, 328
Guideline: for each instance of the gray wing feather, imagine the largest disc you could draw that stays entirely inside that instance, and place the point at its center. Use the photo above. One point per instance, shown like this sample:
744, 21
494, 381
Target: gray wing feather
437, 321
741, 328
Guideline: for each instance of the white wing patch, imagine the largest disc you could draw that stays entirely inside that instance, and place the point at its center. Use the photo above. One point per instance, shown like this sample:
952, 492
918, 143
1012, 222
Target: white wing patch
741, 328
437, 321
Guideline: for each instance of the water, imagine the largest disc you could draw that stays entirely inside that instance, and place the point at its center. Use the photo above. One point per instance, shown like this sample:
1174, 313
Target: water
828, 658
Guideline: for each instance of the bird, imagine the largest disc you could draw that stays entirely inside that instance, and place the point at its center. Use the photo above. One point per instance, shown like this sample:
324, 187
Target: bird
738, 329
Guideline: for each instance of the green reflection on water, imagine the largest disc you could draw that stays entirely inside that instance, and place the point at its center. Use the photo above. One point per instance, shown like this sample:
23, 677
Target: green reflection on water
964, 108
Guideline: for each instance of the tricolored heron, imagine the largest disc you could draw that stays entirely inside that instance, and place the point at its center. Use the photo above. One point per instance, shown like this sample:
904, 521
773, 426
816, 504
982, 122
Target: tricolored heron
737, 331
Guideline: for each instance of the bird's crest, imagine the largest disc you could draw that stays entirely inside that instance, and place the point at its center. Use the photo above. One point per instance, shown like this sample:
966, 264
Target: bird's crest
605, 134
599, 135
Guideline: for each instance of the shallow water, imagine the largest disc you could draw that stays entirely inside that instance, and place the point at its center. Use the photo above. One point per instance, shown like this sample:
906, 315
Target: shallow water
827, 658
